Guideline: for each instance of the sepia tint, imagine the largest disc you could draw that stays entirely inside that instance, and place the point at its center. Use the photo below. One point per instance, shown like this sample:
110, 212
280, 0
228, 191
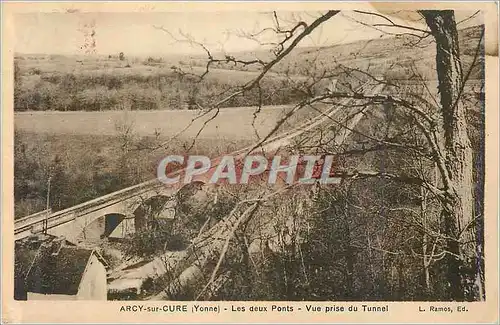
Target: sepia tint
396, 96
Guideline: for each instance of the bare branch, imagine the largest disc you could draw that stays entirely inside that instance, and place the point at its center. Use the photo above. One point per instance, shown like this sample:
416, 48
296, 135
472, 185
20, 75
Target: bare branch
391, 23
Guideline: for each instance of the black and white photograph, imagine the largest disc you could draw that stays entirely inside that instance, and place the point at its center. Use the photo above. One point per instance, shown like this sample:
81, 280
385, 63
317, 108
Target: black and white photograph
266, 155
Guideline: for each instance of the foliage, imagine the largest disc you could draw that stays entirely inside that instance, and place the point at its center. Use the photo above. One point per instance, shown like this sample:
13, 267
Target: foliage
152, 90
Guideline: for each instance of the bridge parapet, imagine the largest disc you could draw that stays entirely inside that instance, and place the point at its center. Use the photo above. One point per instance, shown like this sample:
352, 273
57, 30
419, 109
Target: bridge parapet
41, 215
34, 223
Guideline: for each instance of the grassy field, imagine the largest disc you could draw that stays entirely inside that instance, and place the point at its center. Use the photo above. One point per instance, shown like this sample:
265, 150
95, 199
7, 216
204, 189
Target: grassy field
230, 123
40, 64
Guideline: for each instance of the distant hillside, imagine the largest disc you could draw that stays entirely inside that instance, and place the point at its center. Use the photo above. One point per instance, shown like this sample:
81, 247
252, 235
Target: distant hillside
97, 83
388, 56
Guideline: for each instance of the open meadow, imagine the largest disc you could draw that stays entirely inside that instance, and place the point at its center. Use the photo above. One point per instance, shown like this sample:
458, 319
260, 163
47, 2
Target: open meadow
228, 123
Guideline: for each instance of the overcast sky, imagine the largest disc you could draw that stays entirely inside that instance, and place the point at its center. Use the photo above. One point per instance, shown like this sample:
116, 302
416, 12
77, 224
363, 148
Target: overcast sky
135, 34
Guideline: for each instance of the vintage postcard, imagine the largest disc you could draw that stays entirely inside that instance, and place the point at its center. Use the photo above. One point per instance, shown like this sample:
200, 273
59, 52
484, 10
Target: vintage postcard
267, 162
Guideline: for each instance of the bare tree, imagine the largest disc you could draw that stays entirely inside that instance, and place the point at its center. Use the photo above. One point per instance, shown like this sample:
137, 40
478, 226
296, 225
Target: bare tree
442, 127
455, 158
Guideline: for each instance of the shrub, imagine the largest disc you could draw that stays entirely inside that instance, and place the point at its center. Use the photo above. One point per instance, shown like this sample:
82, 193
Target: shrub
95, 90
95, 99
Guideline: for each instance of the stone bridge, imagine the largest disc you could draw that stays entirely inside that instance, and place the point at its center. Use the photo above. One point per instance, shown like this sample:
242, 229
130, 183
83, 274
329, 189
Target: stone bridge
114, 215
123, 212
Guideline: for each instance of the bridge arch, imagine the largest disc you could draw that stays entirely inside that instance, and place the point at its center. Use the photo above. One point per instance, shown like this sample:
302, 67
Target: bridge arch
128, 215
109, 225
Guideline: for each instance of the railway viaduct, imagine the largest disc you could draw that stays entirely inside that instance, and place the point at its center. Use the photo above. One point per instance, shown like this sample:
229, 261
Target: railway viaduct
116, 214
122, 212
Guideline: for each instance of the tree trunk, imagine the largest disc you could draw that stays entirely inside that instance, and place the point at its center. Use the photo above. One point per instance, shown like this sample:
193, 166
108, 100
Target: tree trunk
426, 260
458, 202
